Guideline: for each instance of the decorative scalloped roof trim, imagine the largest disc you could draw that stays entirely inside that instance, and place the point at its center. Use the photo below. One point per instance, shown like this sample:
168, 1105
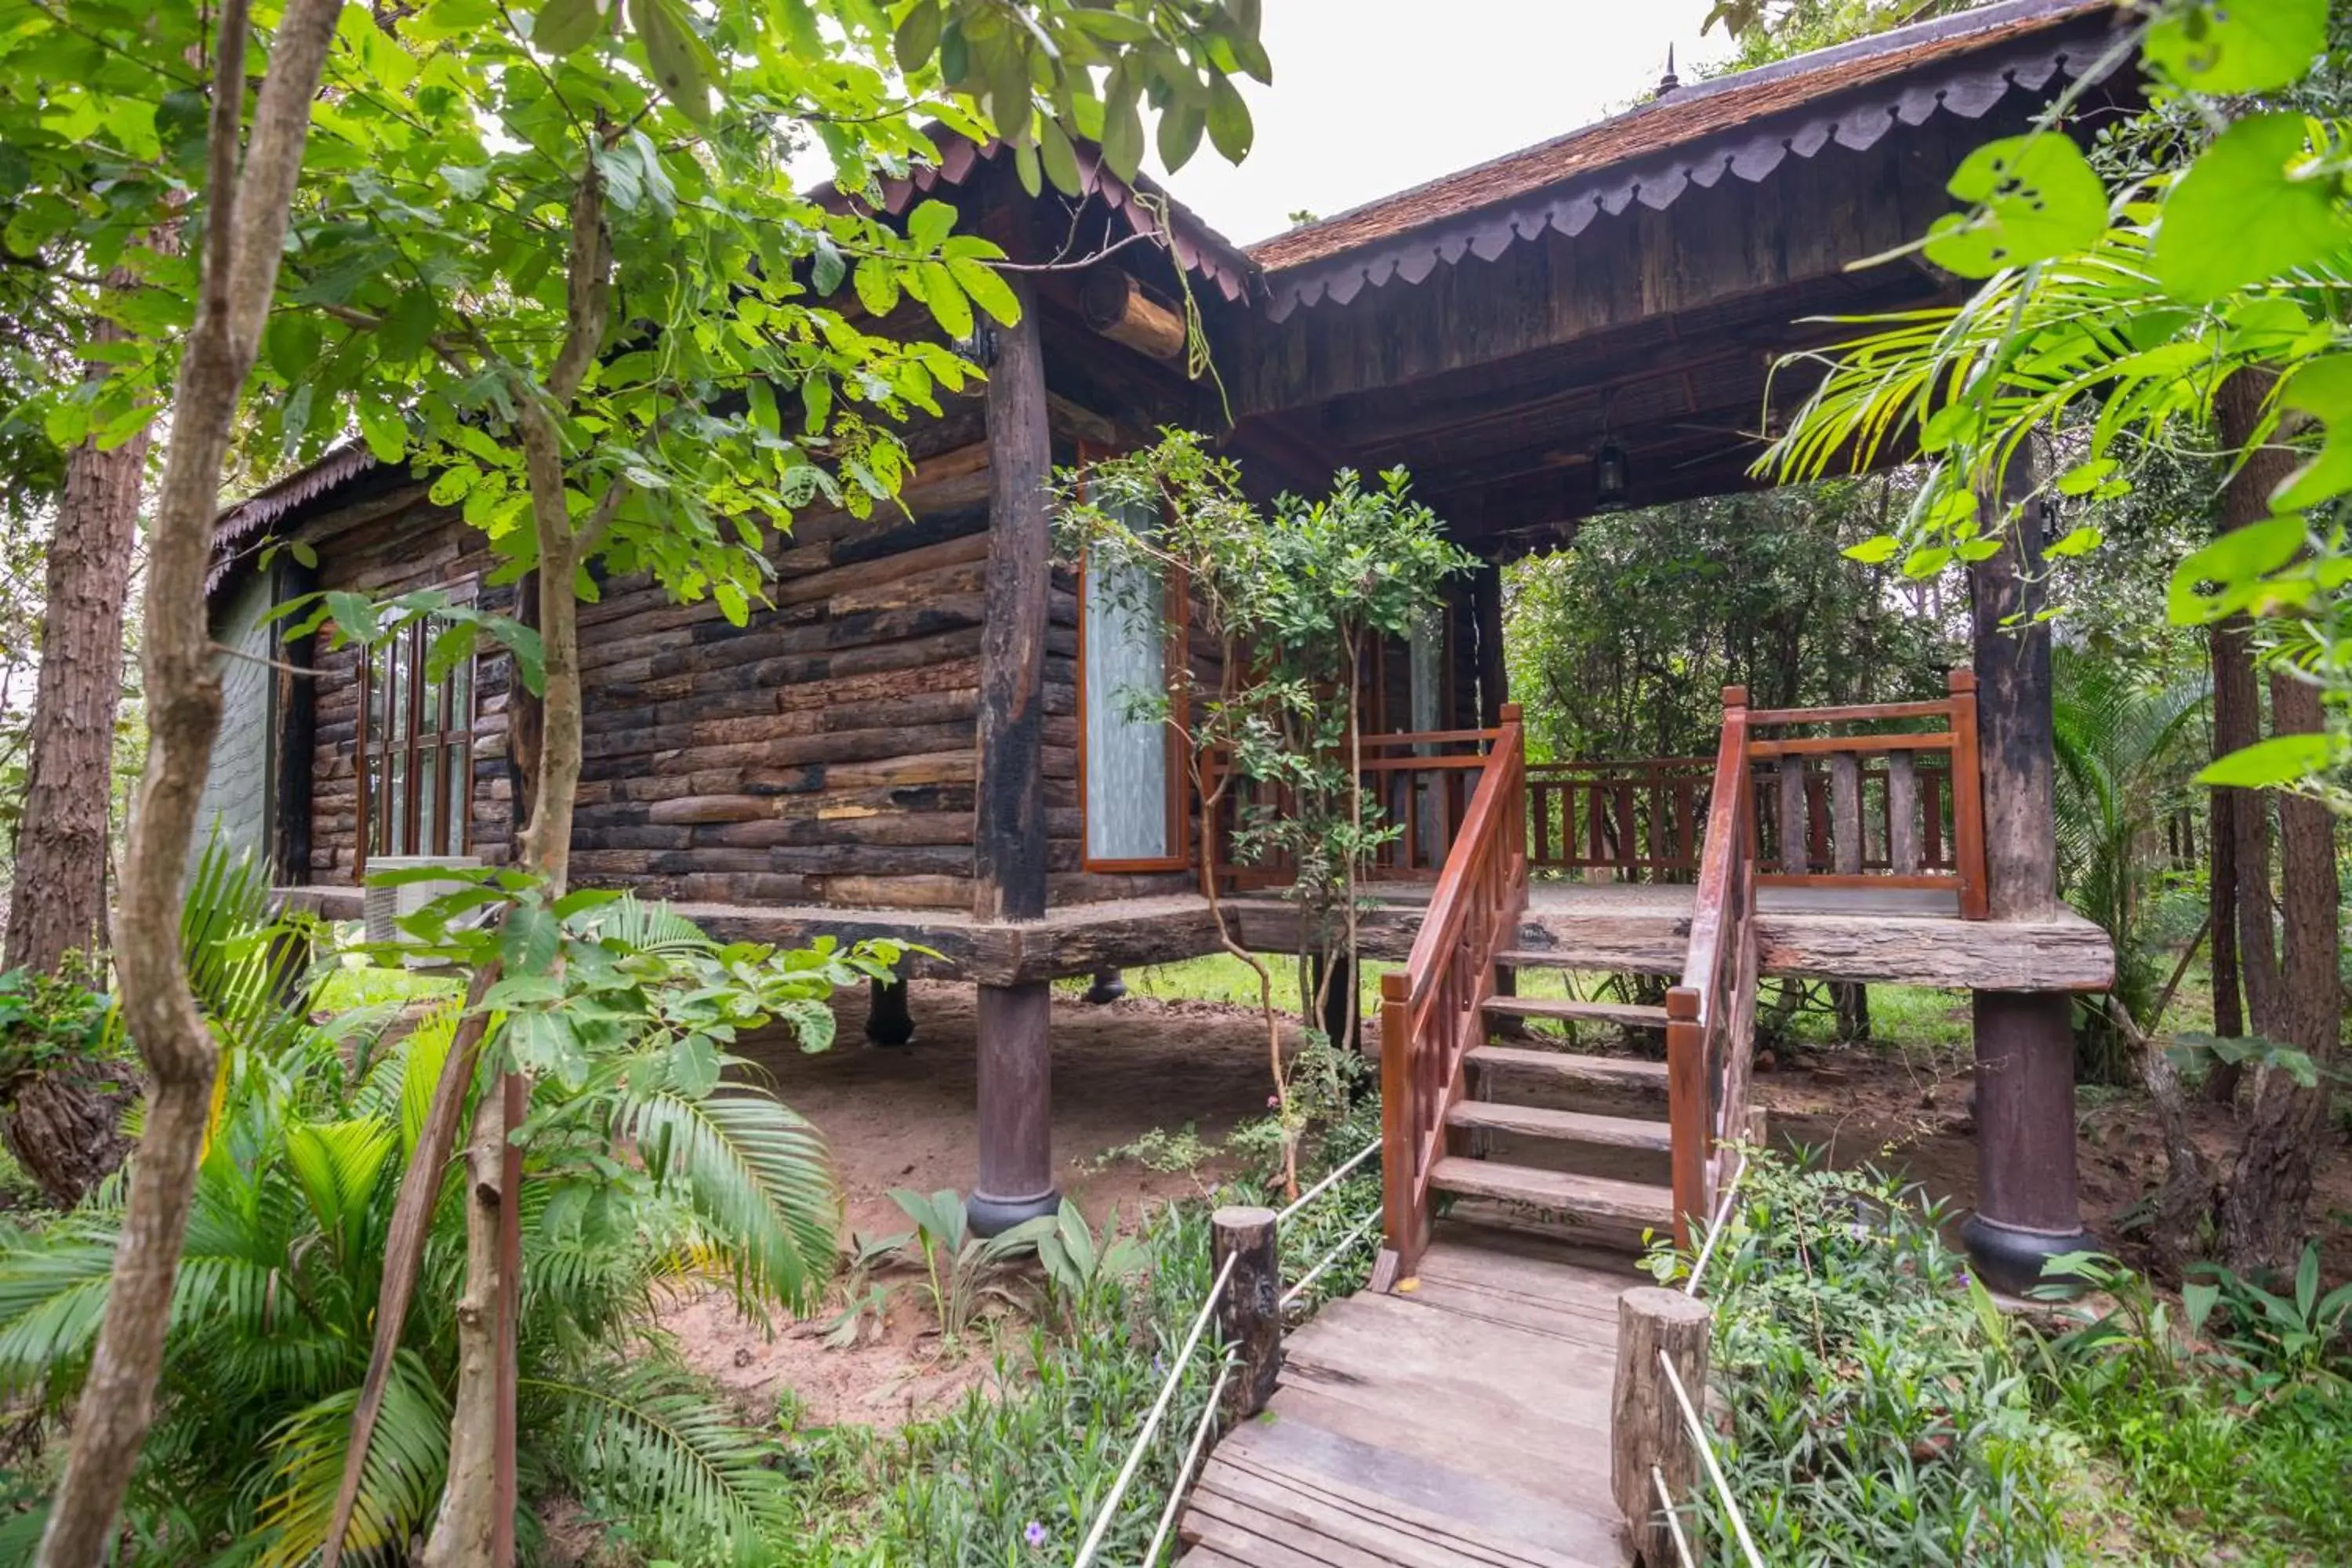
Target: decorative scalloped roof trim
337, 466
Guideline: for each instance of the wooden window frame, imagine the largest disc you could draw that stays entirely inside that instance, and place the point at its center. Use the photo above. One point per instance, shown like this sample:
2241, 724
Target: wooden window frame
1177, 649
410, 642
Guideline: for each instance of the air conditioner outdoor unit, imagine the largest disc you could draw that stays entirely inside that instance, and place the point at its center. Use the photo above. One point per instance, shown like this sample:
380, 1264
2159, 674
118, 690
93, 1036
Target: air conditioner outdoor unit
384, 906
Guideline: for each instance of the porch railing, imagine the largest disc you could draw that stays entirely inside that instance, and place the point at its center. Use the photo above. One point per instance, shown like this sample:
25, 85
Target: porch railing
1421, 781
1433, 1013
1711, 1014
1836, 798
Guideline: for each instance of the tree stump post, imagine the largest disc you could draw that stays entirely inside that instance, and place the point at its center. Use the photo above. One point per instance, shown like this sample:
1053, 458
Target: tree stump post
1249, 1314
1646, 1428
1109, 987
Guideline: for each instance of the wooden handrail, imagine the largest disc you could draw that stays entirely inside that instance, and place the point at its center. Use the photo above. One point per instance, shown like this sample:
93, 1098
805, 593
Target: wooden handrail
1434, 1012
1707, 1042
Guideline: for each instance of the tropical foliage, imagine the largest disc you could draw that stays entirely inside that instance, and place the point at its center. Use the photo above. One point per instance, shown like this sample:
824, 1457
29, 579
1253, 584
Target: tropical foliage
643, 1173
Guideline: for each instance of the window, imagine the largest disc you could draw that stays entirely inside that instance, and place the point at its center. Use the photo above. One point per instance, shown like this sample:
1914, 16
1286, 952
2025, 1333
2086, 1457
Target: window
1131, 771
415, 749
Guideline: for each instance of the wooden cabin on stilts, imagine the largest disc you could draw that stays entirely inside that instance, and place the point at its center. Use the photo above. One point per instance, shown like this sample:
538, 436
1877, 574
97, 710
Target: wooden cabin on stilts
912, 738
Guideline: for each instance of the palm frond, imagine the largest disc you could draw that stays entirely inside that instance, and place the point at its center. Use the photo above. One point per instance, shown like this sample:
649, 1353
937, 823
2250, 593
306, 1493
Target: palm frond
407, 1461
644, 1442
653, 928
756, 1174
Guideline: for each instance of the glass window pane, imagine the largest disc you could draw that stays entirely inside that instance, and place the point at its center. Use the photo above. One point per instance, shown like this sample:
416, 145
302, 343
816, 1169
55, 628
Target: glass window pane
428, 798
461, 791
395, 805
370, 829
1127, 740
399, 658
461, 696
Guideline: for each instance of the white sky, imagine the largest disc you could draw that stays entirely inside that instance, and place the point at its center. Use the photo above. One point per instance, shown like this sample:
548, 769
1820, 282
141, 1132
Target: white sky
1374, 96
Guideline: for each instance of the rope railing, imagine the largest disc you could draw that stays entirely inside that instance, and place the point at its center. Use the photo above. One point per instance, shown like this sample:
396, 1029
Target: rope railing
1151, 1423
1700, 1437
1109, 1512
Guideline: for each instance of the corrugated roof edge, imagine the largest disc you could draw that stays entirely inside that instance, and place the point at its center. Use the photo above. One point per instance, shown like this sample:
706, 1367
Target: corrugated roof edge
2022, 43
239, 523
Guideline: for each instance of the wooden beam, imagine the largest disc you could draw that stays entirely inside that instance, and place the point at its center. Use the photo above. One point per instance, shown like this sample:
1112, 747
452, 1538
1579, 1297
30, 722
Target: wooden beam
1009, 838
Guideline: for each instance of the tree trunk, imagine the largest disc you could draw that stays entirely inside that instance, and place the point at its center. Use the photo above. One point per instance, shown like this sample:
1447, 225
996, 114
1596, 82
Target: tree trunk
62, 1124
2262, 1212
57, 903
463, 1531
247, 216
2222, 893
2237, 722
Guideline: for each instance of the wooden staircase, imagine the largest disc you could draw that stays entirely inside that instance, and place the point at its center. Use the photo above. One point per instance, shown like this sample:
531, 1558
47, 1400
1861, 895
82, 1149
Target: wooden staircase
1489, 1116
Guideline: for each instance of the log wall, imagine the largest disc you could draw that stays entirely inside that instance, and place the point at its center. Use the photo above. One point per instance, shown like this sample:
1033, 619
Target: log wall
822, 753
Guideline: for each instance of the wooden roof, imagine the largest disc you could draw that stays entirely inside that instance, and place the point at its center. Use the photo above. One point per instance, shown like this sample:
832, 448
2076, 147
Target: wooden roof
1743, 125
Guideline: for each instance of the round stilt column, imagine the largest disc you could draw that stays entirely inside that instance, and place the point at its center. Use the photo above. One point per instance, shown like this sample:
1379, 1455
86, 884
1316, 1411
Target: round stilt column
2028, 1207
1110, 986
1016, 1109
888, 1020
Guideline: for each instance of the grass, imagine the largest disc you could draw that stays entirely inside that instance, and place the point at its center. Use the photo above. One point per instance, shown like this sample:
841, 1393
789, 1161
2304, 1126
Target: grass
358, 984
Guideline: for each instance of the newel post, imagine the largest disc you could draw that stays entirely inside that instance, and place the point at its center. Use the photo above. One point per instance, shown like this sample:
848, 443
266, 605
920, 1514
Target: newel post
1968, 797
1646, 1429
1249, 1314
1686, 1111
1401, 1216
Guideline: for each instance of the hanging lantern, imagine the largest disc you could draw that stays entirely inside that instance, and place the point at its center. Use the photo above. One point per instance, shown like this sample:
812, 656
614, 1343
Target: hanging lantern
1608, 474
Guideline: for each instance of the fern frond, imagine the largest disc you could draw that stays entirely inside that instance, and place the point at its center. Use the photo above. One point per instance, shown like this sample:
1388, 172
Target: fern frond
407, 1461
756, 1176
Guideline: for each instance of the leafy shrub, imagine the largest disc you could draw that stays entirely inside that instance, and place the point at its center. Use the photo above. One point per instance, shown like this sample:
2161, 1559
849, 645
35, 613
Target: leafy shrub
640, 1172
1879, 1410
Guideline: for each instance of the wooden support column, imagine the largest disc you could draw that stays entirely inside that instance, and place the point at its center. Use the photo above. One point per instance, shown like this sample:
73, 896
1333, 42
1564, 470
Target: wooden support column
1009, 843
1646, 1428
1249, 1314
1494, 690
888, 1020
2027, 1209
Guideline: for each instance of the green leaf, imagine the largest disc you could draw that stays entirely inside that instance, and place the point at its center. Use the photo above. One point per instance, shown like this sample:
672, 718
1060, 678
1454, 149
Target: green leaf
385, 431
876, 285
1874, 551
1122, 137
2080, 542
681, 62
2084, 478
987, 288
563, 27
2036, 196
827, 269
2280, 761
408, 325
2239, 46
946, 298
1060, 158
2238, 217
1229, 120
1025, 165
918, 39
2323, 389
529, 941
2237, 561
929, 224
1180, 124
290, 343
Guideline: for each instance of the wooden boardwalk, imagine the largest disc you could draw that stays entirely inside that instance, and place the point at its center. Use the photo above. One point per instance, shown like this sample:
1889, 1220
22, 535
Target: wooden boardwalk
1462, 1420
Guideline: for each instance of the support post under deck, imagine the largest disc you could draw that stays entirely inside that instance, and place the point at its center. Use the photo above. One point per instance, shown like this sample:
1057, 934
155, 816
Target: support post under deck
2028, 1207
1009, 833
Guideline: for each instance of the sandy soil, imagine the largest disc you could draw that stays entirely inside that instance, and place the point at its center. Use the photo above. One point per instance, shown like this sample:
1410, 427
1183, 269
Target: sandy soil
905, 1117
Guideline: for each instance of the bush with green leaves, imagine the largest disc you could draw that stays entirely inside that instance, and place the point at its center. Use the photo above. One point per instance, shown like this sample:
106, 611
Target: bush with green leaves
642, 1172
1880, 1411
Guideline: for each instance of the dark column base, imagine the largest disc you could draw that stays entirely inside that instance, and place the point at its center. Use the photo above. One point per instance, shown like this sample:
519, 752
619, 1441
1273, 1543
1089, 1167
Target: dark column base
2011, 1259
888, 1020
2027, 1209
1016, 1109
1109, 987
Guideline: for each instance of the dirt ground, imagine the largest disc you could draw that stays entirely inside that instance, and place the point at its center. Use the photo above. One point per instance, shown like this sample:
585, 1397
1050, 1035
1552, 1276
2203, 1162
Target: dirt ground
905, 1116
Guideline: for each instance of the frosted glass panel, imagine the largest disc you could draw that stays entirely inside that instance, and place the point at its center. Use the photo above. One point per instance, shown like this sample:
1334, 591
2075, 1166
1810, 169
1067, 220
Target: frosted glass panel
1127, 759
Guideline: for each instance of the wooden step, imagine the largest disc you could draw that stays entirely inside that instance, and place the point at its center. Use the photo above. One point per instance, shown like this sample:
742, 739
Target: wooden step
1631, 1016
1616, 1072
1582, 964
1567, 1126
1555, 1192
